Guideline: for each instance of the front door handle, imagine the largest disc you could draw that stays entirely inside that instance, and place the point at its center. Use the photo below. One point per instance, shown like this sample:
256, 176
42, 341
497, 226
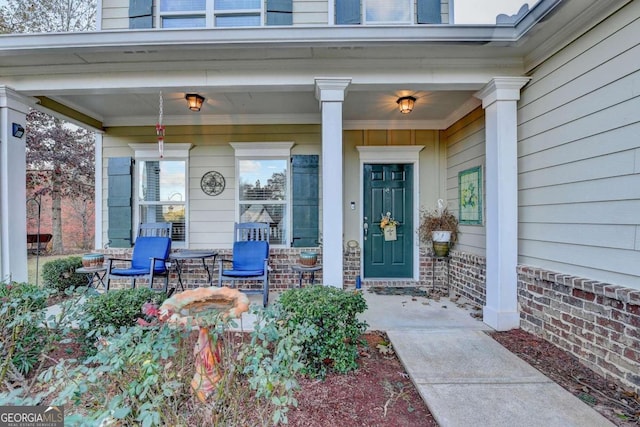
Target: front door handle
365, 226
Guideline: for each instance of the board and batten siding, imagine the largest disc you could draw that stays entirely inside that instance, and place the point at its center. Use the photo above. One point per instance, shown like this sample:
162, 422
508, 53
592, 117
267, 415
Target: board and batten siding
579, 156
210, 218
115, 14
465, 142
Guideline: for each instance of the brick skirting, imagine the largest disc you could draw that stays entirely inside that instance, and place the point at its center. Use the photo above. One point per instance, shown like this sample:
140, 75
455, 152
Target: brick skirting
597, 322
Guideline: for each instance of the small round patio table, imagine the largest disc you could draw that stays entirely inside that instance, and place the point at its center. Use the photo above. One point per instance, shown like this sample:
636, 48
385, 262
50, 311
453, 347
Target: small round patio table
301, 269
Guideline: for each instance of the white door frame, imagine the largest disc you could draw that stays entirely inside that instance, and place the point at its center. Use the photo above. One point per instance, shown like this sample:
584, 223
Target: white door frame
407, 154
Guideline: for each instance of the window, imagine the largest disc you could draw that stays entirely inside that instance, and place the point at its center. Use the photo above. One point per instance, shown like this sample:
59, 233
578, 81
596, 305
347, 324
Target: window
263, 195
161, 187
263, 190
385, 12
207, 13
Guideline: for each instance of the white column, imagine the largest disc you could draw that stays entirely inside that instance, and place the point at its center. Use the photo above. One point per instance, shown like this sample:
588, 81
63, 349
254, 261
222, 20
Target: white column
98, 242
499, 100
331, 92
13, 192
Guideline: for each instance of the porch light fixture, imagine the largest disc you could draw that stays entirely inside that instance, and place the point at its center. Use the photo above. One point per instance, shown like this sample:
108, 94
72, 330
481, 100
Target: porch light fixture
17, 130
194, 101
406, 104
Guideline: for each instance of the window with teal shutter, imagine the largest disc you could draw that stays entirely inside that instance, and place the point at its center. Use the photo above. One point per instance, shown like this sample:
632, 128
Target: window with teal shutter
305, 198
348, 12
140, 14
279, 12
119, 202
429, 12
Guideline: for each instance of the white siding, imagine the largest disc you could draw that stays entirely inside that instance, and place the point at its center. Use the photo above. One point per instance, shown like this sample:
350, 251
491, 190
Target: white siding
310, 12
579, 152
115, 14
466, 149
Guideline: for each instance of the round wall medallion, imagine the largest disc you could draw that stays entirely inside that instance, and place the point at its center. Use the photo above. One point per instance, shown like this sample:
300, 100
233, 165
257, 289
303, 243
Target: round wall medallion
212, 183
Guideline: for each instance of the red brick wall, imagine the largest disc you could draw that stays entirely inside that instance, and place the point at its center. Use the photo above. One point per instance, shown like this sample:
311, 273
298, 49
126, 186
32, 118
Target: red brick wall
597, 322
74, 237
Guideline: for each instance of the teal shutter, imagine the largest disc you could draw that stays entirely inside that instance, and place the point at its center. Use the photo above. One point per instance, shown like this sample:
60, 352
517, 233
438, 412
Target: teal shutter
429, 12
140, 14
305, 190
279, 12
119, 202
347, 12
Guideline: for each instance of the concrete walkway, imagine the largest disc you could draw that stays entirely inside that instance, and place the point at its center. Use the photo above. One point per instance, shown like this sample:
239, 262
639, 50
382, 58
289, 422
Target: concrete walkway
465, 377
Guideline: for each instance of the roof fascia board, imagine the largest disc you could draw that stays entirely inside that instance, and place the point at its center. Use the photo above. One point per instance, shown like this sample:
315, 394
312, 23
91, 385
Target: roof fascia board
250, 37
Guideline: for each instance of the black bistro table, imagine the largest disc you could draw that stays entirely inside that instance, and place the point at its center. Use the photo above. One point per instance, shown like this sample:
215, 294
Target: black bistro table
301, 269
95, 276
178, 258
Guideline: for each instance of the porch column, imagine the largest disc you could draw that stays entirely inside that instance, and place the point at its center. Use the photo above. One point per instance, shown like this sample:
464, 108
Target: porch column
13, 193
499, 100
331, 92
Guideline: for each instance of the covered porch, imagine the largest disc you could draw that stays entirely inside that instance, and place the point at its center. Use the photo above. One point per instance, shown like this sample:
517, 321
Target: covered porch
335, 102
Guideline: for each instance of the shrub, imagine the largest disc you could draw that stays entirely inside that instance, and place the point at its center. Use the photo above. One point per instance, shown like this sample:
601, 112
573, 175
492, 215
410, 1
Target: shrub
61, 274
119, 307
333, 330
141, 376
21, 337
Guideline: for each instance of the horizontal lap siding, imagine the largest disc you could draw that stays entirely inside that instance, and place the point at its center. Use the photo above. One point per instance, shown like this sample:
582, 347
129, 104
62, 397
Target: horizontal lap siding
466, 149
211, 218
310, 12
579, 156
115, 14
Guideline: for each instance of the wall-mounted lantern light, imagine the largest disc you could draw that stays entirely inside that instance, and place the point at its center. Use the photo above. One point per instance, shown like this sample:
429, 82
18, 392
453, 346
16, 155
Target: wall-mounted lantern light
17, 130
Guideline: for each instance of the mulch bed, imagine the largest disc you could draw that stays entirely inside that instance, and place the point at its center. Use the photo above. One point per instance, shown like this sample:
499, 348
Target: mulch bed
612, 401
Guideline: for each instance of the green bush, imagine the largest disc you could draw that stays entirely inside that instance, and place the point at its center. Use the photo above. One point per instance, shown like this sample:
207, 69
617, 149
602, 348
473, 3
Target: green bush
21, 337
329, 316
120, 307
61, 274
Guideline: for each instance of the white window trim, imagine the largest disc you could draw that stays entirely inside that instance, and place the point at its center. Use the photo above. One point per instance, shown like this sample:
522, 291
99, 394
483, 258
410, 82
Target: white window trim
170, 152
209, 13
261, 151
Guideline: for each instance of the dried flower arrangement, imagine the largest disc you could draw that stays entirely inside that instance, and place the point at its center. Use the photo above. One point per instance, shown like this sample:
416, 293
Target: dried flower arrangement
435, 220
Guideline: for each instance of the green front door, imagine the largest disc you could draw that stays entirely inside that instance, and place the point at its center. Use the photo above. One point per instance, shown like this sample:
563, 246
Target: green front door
388, 188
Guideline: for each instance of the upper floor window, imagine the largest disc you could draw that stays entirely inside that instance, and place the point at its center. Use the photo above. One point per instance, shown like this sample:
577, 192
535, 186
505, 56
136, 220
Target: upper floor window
385, 12
224, 13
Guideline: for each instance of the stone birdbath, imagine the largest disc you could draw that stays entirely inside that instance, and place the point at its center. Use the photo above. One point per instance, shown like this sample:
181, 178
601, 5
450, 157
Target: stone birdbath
188, 309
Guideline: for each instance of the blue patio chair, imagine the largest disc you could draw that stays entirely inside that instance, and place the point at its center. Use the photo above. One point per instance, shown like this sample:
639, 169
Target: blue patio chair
250, 258
149, 260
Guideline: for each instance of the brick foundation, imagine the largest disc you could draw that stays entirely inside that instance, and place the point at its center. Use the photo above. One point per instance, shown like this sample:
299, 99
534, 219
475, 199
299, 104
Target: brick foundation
468, 276
281, 276
597, 322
